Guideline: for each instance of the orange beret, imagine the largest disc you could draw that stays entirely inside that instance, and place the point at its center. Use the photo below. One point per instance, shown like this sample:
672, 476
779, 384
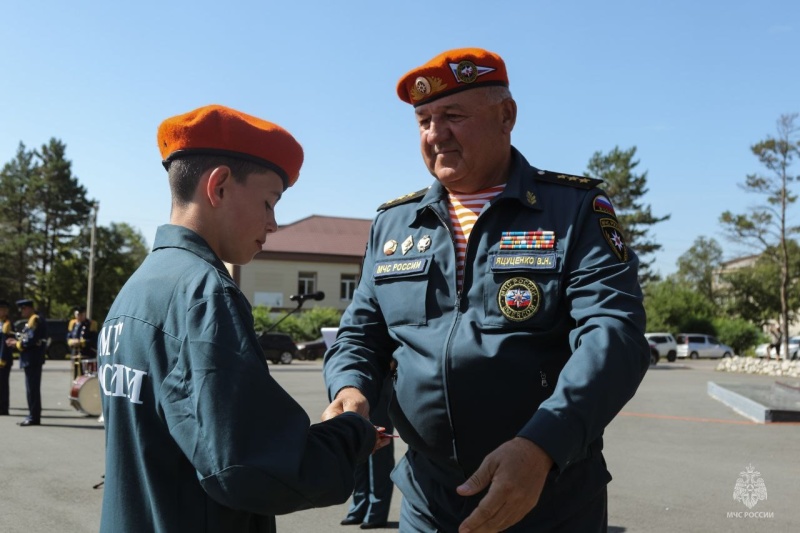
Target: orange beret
219, 130
451, 72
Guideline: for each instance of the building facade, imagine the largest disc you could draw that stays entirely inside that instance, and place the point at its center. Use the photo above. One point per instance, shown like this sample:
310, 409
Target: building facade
316, 253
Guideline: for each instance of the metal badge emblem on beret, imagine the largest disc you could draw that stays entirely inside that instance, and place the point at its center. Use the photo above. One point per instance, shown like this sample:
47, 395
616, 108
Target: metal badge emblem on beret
468, 72
519, 299
470, 68
613, 234
407, 245
425, 87
424, 243
390, 247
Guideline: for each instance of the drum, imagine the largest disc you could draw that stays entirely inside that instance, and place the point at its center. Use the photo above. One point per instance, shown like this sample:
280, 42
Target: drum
89, 366
85, 395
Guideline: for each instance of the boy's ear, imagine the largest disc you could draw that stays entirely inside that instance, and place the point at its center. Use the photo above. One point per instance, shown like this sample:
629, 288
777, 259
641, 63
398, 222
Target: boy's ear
218, 179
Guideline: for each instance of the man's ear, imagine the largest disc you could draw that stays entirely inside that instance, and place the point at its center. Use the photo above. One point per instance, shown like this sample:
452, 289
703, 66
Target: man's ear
218, 179
508, 110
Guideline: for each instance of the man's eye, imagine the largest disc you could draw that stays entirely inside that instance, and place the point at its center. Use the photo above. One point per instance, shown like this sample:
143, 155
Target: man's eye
269, 207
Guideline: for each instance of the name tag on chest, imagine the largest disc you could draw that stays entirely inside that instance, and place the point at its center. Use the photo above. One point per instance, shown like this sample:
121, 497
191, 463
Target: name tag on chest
400, 267
527, 261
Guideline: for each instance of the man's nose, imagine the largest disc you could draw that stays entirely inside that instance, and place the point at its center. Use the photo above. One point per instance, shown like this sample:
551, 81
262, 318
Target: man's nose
437, 132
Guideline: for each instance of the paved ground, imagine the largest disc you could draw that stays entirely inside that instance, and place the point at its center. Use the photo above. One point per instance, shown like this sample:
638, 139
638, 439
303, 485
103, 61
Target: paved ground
674, 452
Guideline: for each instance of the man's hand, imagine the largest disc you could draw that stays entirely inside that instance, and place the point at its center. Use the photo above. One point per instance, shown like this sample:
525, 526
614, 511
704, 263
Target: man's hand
347, 399
515, 474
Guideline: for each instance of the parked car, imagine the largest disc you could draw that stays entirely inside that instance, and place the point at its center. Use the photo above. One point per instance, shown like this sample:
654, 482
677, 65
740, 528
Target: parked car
654, 355
761, 350
56, 337
696, 345
311, 350
278, 347
665, 344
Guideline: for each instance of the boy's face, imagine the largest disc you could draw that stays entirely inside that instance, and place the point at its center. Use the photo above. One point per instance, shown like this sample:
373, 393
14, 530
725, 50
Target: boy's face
249, 215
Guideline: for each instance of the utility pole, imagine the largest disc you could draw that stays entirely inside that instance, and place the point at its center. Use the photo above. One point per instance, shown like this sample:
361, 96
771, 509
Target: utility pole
90, 290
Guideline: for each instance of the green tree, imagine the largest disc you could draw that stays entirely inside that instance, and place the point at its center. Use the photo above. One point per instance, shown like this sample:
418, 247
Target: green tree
675, 307
696, 267
63, 210
626, 190
304, 326
767, 225
119, 250
737, 333
753, 292
19, 181
42, 208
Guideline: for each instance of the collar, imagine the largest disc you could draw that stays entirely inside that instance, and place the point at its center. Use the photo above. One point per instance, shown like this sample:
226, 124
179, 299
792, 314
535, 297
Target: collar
520, 186
173, 236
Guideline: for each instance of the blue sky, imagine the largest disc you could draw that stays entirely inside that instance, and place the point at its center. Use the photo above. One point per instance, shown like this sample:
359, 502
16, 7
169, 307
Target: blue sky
691, 84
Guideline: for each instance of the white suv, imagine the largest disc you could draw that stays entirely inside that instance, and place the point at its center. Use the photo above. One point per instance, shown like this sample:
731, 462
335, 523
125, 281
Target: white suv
665, 344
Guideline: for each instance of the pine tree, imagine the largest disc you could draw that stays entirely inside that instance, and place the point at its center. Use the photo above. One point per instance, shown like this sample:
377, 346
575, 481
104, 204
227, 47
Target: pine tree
626, 189
767, 225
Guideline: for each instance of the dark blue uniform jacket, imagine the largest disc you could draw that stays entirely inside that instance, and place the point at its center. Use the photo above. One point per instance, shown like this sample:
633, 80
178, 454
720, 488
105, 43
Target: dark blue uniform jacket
199, 436
545, 344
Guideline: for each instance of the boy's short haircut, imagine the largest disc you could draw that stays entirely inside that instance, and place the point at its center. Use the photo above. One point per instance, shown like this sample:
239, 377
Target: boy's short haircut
184, 173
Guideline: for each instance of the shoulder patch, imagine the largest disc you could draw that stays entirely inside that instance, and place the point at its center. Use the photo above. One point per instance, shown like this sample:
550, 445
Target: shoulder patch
582, 182
404, 199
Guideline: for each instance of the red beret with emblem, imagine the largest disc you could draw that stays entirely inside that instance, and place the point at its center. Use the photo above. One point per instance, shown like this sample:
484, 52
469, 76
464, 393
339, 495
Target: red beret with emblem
220, 130
451, 72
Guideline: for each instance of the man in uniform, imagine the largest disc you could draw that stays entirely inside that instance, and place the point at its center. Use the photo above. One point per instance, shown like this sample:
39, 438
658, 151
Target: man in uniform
31, 344
6, 356
509, 303
199, 436
81, 339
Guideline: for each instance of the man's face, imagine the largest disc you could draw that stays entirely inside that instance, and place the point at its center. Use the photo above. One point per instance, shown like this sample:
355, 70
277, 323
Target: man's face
464, 139
80, 316
248, 216
3, 312
26, 311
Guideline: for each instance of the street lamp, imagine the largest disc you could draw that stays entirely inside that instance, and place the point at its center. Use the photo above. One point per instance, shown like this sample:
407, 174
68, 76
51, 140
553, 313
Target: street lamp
90, 289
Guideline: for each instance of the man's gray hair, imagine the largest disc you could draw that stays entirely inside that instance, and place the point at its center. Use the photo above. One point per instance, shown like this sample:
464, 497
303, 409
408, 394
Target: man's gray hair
497, 94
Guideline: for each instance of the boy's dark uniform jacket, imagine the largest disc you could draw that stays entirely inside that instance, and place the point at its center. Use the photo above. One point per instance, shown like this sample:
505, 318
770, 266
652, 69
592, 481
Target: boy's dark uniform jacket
477, 368
199, 436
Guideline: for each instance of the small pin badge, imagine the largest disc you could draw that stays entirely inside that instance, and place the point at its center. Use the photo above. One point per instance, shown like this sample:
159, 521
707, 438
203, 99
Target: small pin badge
531, 198
424, 243
407, 244
390, 247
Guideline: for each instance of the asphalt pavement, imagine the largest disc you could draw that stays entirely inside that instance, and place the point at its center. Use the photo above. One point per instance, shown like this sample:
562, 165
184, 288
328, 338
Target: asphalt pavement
675, 453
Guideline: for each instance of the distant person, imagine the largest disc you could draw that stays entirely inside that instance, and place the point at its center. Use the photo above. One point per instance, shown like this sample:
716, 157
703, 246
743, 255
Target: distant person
776, 337
199, 436
31, 344
372, 495
81, 338
6, 356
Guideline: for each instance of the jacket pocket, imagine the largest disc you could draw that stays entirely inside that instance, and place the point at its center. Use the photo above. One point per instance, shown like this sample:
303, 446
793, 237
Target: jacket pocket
522, 290
401, 286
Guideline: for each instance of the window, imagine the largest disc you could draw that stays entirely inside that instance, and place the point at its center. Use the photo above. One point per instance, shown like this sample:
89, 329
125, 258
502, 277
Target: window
306, 282
347, 287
